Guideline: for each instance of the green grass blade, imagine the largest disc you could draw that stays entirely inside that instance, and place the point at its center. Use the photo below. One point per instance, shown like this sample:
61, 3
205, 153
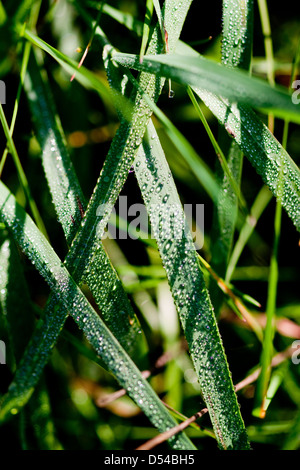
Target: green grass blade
236, 52
236, 85
85, 77
65, 190
189, 292
18, 310
260, 147
38, 250
197, 165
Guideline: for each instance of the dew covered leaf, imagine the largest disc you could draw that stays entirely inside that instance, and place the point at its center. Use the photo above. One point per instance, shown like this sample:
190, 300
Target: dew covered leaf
41, 254
200, 72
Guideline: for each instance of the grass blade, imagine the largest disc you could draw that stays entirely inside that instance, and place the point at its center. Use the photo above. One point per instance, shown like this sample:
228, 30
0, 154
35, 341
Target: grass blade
236, 85
190, 295
38, 250
236, 53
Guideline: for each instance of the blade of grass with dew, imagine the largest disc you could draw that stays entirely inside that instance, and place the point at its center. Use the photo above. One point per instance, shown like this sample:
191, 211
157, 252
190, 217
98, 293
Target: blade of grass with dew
112, 178
38, 250
257, 142
66, 192
197, 165
259, 145
189, 292
236, 52
200, 72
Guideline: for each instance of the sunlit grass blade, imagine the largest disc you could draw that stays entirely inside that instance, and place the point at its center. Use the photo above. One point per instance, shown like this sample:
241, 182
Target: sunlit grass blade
70, 205
38, 250
201, 72
186, 281
189, 292
122, 153
197, 165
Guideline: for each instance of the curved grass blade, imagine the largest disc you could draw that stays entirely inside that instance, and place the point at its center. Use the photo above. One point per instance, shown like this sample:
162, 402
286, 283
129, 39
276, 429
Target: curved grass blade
38, 250
189, 292
200, 72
